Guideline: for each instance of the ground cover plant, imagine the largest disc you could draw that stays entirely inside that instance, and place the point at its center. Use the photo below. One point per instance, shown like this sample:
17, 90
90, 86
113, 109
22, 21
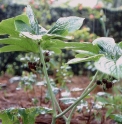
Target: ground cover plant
26, 35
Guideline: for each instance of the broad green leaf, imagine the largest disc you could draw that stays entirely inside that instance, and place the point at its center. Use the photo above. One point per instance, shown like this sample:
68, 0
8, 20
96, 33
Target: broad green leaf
55, 50
110, 67
7, 26
47, 44
33, 21
22, 26
5, 119
17, 44
116, 117
65, 25
111, 64
11, 48
108, 47
91, 58
86, 46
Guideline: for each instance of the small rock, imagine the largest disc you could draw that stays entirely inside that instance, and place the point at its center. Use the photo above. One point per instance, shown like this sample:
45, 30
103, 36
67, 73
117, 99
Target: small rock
15, 79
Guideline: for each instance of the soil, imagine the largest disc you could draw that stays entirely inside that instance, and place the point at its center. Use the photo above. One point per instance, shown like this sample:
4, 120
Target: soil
10, 97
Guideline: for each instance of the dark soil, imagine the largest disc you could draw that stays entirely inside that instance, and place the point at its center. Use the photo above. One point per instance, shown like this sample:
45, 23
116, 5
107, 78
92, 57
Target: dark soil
10, 97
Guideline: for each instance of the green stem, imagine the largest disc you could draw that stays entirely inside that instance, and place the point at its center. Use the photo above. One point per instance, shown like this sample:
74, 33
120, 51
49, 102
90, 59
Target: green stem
73, 109
74, 104
84, 94
59, 109
49, 86
91, 83
70, 115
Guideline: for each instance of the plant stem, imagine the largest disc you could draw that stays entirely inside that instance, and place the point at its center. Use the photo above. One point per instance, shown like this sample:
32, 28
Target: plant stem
74, 104
84, 94
73, 109
49, 86
70, 115
59, 109
91, 83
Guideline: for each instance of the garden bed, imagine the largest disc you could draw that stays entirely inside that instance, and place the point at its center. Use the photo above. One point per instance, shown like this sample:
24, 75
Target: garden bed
10, 97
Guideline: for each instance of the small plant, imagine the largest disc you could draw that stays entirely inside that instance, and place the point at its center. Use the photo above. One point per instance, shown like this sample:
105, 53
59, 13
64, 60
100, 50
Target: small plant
25, 34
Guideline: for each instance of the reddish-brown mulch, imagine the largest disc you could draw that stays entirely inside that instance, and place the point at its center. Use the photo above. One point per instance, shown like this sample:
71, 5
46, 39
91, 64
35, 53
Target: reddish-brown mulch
10, 97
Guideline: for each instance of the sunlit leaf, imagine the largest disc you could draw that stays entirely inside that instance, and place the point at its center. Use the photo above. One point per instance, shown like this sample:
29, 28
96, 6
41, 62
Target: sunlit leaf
111, 64
110, 67
65, 25
33, 21
108, 47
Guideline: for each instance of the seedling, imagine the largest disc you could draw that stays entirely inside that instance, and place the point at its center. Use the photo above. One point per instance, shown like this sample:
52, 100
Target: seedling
25, 34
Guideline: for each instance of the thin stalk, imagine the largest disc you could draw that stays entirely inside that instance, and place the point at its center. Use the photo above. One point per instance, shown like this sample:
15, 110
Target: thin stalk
54, 101
59, 109
74, 104
49, 86
91, 83
70, 115
73, 109
84, 94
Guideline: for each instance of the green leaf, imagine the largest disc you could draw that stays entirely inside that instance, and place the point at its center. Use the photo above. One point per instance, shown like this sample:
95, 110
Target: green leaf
11, 48
65, 25
110, 67
33, 21
51, 43
22, 26
42, 30
5, 119
55, 36
7, 26
108, 47
108, 113
78, 60
86, 46
17, 44
31, 117
102, 100
120, 44
111, 64
116, 117
83, 54
24, 115
55, 50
